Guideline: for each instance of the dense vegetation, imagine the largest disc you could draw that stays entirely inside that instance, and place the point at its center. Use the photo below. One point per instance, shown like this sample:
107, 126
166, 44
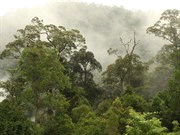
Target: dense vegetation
51, 90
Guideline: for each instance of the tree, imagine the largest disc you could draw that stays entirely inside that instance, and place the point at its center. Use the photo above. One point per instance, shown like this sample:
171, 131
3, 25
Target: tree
115, 77
129, 57
173, 88
80, 112
139, 124
161, 104
166, 102
89, 125
137, 102
110, 118
127, 70
176, 127
103, 106
13, 121
65, 41
83, 63
38, 81
37, 87
168, 27
60, 124
158, 79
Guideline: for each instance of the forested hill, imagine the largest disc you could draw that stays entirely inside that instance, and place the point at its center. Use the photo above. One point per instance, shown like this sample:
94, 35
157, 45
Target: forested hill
102, 26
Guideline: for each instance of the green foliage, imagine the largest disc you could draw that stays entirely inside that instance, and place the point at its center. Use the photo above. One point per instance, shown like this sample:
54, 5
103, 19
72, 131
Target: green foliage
83, 63
89, 125
172, 98
60, 124
53, 37
110, 118
164, 56
13, 121
78, 98
158, 104
103, 106
80, 112
134, 100
52, 82
124, 72
175, 59
139, 124
167, 27
176, 126
41, 67
166, 103
158, 79
38, 82
123, 120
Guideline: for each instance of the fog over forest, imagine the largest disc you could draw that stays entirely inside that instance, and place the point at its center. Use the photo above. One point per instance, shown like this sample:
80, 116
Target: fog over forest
102, 26
75, 68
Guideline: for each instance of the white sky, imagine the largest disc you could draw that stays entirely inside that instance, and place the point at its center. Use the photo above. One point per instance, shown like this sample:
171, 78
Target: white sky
144, 5
141, 4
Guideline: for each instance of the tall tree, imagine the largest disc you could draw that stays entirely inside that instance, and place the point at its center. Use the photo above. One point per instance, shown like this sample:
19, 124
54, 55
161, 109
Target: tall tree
65, 41
116, 74
127, 70
82, 64
38, 81
168, 27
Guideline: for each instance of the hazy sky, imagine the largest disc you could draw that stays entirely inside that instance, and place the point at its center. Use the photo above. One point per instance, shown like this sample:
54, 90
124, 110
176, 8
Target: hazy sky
129, 4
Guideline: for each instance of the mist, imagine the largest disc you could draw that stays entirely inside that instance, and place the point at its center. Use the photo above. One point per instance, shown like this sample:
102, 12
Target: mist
101, 25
